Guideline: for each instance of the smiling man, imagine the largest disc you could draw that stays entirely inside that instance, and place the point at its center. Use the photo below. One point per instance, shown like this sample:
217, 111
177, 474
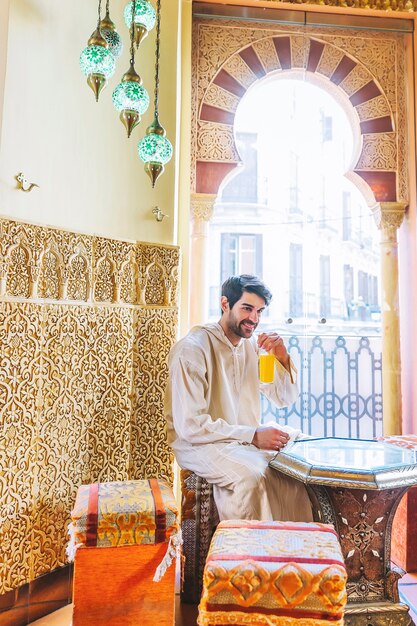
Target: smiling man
212, 408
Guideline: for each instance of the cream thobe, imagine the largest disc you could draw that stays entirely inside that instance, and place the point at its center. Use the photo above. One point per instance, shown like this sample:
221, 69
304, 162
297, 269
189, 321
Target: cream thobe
212, 408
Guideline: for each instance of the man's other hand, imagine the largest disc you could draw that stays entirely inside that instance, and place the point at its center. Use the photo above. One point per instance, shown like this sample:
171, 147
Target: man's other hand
270, 438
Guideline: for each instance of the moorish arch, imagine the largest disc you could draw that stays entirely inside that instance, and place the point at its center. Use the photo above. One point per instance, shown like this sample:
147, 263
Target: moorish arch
283, 55
365, 73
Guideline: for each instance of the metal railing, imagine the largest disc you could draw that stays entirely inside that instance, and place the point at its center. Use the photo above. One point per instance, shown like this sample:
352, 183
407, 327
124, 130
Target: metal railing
340, 382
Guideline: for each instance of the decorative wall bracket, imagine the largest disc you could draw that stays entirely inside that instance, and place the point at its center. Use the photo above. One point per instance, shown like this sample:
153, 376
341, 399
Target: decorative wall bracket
23, 183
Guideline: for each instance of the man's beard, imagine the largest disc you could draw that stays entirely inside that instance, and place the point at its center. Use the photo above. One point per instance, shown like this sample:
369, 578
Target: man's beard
237, 329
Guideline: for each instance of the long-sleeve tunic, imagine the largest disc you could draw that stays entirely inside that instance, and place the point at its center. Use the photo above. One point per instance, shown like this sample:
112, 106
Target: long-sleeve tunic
212, 408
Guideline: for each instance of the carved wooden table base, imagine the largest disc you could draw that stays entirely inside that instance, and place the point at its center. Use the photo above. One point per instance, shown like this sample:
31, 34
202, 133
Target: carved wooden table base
363, 519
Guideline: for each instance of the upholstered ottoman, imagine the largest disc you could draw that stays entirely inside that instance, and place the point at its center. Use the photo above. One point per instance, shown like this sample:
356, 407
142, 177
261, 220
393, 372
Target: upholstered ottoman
124, 535
199, 519
275, 573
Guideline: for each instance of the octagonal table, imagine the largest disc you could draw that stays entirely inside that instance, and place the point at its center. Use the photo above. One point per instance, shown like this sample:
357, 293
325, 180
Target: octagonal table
356, 485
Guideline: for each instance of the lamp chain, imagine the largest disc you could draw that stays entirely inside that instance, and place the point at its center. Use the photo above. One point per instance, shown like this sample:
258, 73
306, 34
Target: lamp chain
132, 34
158, 33
99, 14
107, 7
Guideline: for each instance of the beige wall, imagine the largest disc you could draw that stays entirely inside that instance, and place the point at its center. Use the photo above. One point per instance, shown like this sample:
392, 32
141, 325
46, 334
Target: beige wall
89, 175
4, 27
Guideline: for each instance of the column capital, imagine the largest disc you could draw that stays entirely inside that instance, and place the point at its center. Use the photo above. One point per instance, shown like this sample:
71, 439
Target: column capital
202, 206
389, 215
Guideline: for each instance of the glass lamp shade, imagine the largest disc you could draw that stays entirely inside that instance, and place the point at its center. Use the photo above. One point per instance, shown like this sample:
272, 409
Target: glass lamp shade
130, 95
114, 41
145, 14
97, 60
155, 148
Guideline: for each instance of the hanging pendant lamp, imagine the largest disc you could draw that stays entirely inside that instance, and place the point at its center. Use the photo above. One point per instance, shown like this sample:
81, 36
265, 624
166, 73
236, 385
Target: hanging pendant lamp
130, 98
96, 60
155, 150
110, 34
142, 21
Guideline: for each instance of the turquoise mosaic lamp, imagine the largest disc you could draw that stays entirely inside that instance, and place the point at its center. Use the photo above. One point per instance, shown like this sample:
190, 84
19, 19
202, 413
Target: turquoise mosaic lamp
96, 60
110, 34
130, 98
143, 21
155, 150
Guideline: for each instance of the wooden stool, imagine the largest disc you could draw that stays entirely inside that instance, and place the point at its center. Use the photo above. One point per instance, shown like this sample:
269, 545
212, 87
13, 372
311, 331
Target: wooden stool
199, 519
119, 533
275, 573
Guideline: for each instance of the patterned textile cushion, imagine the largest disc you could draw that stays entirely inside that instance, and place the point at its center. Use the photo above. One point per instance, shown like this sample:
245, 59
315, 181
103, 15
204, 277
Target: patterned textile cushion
275, 573
126, 513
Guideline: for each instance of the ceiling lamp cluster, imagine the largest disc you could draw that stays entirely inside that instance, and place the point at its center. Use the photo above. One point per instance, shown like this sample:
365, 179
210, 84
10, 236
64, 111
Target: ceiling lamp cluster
130, 98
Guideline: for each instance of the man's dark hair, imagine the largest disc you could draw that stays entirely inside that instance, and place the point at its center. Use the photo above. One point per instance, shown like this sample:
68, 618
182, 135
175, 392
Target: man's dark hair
234, 286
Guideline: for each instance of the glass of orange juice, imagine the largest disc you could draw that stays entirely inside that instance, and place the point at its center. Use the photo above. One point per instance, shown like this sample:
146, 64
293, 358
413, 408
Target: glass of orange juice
266, 367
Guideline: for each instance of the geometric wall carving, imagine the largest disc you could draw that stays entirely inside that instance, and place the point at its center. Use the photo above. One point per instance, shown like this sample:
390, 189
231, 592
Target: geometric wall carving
365, 71
86, 324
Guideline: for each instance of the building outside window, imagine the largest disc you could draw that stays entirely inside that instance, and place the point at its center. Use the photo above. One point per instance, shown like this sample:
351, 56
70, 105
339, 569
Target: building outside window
325, 298
296, 306
240, 254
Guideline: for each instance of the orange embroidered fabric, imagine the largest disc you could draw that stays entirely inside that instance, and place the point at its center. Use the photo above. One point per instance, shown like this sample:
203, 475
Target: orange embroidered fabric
275, 573
125, 513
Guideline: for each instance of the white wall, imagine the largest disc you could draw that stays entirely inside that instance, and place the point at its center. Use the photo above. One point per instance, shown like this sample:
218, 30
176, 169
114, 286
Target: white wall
89, 175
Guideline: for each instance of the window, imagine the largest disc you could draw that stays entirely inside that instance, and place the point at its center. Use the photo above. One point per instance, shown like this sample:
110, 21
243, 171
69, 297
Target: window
363, 286
373, 290
325, 305
244, 186
347, 216
327, 127
348, 283
293, 188
240, 254
296, 280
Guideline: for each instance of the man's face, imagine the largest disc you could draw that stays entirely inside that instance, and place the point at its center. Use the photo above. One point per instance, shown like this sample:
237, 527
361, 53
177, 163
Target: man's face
243, 318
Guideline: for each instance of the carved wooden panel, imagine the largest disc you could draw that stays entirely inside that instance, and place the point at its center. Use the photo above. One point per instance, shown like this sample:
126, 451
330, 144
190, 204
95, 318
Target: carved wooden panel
74, 407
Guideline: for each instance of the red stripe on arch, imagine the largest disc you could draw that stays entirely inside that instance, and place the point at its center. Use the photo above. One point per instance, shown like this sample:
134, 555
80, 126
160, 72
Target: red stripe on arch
228, 83
252, 61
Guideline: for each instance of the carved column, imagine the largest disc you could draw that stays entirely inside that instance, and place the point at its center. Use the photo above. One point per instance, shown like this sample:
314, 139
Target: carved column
388, 217
201, 213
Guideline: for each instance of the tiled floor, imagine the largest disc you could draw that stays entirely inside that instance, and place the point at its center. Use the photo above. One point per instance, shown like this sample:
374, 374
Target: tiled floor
185, 615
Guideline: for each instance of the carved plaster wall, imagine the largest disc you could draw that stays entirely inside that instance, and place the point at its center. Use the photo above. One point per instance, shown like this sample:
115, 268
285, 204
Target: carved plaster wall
86, 324
364, 71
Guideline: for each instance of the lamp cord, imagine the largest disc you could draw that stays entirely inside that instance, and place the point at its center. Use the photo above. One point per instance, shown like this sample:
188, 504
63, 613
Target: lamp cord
107, 8
99, 14
132, 34
158, 34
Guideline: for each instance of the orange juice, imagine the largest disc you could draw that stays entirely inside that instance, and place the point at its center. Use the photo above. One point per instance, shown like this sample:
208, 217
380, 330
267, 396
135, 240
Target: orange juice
266, 368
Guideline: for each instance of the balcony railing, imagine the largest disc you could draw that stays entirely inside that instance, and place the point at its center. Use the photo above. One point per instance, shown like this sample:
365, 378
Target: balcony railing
340, 382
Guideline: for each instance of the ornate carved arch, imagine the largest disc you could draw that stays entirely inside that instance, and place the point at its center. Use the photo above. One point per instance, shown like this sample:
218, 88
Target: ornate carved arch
369, 96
